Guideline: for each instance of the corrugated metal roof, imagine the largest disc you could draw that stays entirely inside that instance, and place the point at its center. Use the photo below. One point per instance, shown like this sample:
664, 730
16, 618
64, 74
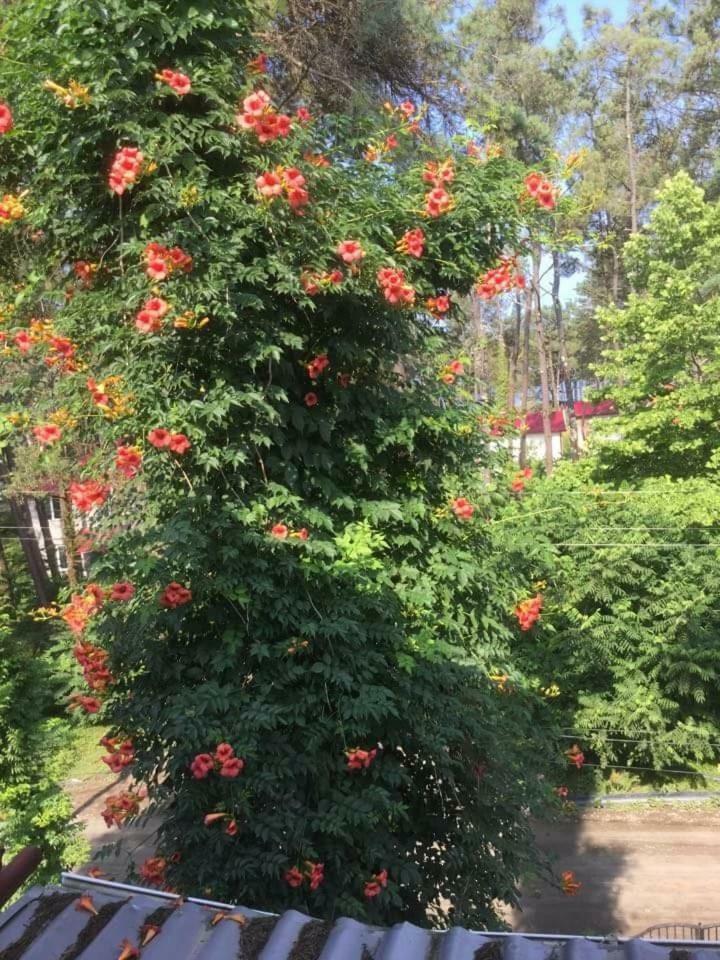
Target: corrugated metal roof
46, 924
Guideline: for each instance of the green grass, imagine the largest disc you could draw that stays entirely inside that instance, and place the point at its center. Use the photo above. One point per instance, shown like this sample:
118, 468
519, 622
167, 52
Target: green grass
86, 753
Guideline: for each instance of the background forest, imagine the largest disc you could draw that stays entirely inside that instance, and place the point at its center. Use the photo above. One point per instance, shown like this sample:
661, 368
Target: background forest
564, 608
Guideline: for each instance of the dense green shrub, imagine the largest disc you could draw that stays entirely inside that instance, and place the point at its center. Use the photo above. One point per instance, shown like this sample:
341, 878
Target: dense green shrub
33, 808
630, 622
292, 578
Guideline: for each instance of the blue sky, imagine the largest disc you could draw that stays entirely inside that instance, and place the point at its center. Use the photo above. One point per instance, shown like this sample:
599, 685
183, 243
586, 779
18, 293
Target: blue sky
573, 11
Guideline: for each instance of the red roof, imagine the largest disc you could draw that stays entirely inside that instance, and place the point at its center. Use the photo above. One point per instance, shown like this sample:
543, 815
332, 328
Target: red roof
606, 408
534, 422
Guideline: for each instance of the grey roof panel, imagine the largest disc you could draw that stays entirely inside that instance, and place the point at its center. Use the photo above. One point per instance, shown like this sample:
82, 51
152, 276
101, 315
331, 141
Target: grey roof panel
124, 925
17, 916
350, 939
584, 950
223, 942
63, 931
187, 933
284, 935
405, 940
521, 948
183, 933
458, 944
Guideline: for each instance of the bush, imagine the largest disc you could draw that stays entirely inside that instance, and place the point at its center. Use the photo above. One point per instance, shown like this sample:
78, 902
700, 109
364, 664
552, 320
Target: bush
285, 436
33, 808
629, 627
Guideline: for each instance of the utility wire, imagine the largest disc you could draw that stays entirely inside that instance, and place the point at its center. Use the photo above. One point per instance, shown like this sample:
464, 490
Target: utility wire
586, 736
682, 773
644, 546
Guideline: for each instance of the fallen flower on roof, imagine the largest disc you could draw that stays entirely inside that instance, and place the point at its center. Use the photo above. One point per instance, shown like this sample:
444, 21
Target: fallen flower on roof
129, 952
86, 903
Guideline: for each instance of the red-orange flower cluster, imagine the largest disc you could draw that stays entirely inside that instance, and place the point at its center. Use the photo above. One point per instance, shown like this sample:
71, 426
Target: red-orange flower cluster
6, 118
149, 319
85, 271
79, 701
61, 353
451, 371
119, 592
161, 261
281, 531
126, 166
439, 174
153, 871
223, 761
575, 756
121, 753
375, 884
164, 439
412, 243
500, 279
81, 607
541, 190
317, 366
259, 115
314, 873
47, 434
179, 82
120, 806
358, 759
175, 595
497, 425
350, 251
438, 200
93, 661
438, 306
314, 283
128, 461
287, 180
88, 495
395, 288
259, 64
520, 479
528, 612
462, 508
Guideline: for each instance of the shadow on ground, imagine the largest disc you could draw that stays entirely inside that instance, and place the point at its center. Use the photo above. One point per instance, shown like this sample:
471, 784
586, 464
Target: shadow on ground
599, 866
638, 866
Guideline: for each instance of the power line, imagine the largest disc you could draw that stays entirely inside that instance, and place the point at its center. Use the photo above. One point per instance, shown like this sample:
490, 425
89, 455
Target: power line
682, 773
643, 546
586, 736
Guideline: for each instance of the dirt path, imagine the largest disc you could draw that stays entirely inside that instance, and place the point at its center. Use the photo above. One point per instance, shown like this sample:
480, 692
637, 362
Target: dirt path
125, 847
637, 867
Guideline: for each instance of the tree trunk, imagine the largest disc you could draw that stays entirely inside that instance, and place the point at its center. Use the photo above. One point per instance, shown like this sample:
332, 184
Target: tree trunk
615, 277
514, 354
31, 549
542, 358
563, 368
629, 137
479, 360
525, 375
48, 541
70, 538
28, 541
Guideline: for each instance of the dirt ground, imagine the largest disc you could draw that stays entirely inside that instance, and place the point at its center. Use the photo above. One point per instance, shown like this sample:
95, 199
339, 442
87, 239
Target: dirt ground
125, 847
638, 866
